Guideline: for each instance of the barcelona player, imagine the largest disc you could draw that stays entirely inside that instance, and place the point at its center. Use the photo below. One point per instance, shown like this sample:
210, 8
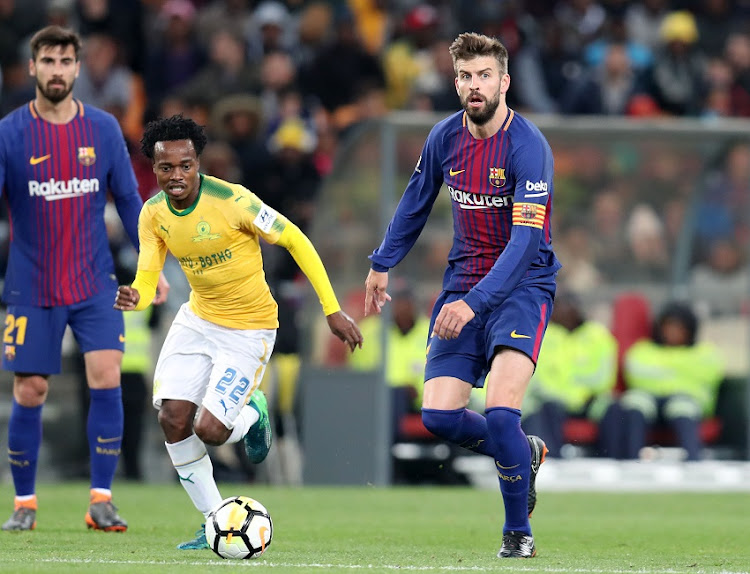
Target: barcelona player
221, 340
58, 160
499, 285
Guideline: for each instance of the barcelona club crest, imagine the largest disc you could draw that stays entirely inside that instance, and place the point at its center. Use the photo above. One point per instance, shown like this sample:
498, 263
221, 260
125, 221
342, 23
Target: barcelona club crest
86, 155
497, 176
528, 211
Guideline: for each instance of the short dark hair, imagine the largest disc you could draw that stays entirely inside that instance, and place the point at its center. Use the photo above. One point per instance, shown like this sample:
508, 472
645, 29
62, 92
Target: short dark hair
52, 36
470, 45
175, 128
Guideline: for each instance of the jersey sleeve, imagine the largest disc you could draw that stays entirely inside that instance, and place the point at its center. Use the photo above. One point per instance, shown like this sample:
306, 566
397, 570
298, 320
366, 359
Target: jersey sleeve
122, 182
414, 207
3, 158
532, 164
277, 229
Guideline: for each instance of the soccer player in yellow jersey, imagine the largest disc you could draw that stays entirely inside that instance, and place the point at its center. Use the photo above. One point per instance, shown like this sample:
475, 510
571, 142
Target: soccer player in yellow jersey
221, 339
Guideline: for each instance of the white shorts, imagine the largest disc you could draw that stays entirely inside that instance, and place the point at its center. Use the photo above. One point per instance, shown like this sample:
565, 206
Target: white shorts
210, 365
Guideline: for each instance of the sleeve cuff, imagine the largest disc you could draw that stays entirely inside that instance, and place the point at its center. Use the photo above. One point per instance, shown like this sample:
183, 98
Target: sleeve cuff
379, 268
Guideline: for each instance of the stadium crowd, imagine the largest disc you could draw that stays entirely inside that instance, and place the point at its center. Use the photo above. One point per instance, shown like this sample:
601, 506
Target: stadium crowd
279, 84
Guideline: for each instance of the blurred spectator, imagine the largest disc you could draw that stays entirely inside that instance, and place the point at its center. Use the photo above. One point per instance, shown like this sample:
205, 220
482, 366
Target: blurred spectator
716, 22
313, 29
355, 81
722, 278
607, 90
643, 21
227, 71
121, 19
18, 87
737, 56
575, 248
545, 69
435, 91
220, 14
238, 121
272, 31
277, 74
407, 341
18, 19
103, 81
671, 379
581, 20
648, 246
676, 79
408, 59
175, 57
575, 374
615, 33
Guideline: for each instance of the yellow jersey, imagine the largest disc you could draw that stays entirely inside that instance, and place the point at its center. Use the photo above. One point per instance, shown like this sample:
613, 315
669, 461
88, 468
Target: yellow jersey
216, 241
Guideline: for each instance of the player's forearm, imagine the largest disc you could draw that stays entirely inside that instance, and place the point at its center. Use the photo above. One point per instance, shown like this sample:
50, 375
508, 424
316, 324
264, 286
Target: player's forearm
408, 221
308, 260
145, 283
129, 212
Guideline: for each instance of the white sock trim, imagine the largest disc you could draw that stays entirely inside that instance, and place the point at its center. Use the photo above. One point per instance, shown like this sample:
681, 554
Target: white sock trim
248, 417
186, 451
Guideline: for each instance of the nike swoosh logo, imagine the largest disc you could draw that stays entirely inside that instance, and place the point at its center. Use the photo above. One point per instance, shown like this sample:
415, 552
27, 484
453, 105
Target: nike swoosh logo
262, 532
16, 452
35, 160
507, 467
122, 338
106, 440
514, 335
451, 172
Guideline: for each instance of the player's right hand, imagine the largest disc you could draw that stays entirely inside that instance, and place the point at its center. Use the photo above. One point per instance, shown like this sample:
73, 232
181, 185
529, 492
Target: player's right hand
127, 298
375, 291
344, 327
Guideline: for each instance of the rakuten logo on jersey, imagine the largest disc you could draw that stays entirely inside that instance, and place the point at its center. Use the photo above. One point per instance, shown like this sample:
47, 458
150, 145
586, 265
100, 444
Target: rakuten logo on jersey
536, 186
466, 200
52, 190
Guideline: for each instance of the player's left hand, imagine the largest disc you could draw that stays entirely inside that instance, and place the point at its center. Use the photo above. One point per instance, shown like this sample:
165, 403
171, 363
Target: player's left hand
344, 327
127, 298
162, 290
451, 319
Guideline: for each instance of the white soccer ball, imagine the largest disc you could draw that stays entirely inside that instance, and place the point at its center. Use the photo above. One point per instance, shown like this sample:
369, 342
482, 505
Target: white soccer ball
240, 527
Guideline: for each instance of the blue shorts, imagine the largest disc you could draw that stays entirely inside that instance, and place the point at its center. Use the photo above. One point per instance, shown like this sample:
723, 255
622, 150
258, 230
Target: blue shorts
32, 338
519, 323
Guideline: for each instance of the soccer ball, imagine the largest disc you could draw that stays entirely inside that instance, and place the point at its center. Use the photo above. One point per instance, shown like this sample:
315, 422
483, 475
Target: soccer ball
240, 527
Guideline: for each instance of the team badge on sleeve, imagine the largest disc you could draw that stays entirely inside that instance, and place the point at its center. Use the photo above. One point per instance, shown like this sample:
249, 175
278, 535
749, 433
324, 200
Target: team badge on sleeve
86, 155
265, 218
529, 214
497, 176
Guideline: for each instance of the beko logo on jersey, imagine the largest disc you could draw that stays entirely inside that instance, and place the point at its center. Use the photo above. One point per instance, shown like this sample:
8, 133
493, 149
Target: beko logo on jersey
53, 189
536, 186
468, 200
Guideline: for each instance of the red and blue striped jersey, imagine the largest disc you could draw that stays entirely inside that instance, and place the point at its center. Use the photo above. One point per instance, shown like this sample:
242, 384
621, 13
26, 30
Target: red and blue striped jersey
55, 179
501, 191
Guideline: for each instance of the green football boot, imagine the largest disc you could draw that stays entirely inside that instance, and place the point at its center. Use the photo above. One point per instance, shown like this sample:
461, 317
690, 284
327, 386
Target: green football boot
197, 543
258, 437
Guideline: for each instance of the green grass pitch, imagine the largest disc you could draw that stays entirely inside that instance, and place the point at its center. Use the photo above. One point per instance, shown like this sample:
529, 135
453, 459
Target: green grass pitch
387, 530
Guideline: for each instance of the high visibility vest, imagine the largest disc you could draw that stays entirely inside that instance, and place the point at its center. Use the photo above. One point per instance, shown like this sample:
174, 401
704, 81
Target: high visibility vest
575, 366
137, 357
663, 371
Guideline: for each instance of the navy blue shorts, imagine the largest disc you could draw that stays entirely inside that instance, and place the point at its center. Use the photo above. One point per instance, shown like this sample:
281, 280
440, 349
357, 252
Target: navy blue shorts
519, 323
32, 338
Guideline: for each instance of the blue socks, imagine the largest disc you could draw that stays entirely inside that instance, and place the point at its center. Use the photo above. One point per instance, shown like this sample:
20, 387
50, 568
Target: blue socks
104, 431
513, 464
462, 427
24, 440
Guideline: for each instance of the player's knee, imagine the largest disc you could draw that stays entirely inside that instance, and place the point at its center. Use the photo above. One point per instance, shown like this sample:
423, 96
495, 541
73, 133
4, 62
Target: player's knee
444, 424
176, 425
211, 431
30, 391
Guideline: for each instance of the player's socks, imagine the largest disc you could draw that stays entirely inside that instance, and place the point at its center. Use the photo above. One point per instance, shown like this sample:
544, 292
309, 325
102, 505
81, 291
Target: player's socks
193, 466
104, 429
248, 417
24, 439
463, 427
513, 465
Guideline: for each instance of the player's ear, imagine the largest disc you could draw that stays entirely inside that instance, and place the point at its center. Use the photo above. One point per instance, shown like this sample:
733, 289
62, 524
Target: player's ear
32, 68
505, 83
455, 82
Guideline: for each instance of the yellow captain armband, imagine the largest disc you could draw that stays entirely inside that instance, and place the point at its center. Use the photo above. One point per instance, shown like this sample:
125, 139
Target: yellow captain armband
145, 283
